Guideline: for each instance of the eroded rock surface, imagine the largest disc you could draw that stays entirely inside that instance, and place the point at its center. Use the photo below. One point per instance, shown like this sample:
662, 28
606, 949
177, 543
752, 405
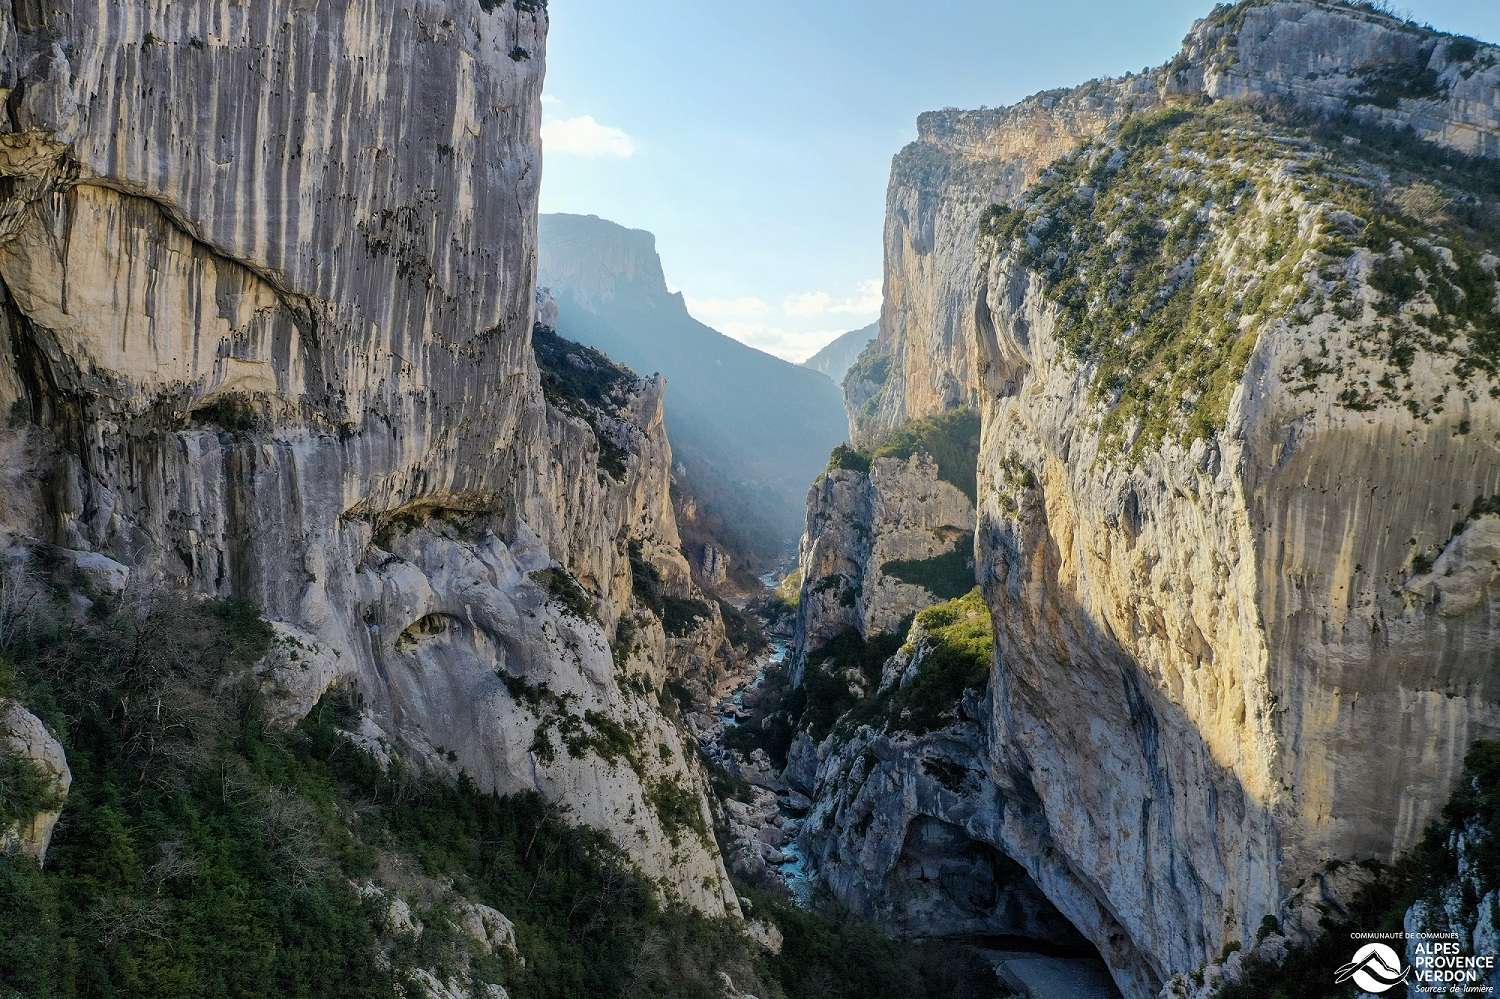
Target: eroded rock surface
860, 523
24, 736
268, 294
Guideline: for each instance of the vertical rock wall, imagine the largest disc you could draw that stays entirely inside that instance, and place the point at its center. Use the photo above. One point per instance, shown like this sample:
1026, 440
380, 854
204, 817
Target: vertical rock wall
265, 331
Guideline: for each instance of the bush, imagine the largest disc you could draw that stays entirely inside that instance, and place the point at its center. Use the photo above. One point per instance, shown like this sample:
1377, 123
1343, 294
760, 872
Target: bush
958, 654
25, 789
848, 459
566, 591
952, 439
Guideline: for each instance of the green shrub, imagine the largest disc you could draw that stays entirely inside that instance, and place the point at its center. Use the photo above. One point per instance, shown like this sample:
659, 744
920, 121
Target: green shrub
25, 789
677, 806
848, 459
959, 654
565, 591
952, 439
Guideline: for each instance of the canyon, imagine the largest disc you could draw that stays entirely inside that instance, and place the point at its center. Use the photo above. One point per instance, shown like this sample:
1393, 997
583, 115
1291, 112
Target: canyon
1145, 625
1224, 537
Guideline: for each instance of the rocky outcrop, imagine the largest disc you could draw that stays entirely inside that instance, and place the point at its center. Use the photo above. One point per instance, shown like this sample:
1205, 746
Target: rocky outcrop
905, 829
923, 361
26, 742
273, 340
1325, 56
872, 527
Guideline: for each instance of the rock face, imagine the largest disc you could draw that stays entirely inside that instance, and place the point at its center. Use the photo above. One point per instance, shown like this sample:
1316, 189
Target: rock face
1322, 55
860, 522
267, 332
1208, 707
22, 734
1237, 512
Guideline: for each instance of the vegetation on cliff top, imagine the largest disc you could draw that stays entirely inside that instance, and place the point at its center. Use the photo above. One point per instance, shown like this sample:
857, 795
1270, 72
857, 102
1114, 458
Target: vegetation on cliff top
583, 382
1171, 246
952, 646
951, 439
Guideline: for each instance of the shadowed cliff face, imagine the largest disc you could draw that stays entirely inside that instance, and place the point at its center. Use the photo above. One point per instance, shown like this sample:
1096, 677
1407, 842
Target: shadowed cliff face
268, 288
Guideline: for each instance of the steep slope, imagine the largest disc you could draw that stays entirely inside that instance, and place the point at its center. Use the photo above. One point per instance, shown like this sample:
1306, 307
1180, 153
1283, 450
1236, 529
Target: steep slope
749, 430
271, 339
836, 359
1237, 371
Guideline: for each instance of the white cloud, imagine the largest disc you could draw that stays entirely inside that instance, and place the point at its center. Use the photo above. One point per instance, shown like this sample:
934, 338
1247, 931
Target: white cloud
789, 345
864, 302
583, 136
549, 99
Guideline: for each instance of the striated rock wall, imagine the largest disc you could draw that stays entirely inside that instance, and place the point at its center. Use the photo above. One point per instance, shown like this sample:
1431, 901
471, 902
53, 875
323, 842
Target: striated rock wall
265, 331
1204, 632
961, 163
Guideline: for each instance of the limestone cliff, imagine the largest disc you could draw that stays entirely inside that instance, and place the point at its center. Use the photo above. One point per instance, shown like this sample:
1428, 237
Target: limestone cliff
1320, 54
267, 332
884, 538
1238, 375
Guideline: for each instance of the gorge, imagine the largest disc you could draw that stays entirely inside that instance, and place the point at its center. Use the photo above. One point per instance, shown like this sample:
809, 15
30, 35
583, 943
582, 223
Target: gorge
378, 557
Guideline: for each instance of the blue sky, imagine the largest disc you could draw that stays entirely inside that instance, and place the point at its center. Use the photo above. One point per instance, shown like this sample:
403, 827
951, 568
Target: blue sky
755, 139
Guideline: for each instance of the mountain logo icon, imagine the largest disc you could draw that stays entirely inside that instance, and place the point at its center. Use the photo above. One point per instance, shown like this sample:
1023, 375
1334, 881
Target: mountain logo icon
1376, 968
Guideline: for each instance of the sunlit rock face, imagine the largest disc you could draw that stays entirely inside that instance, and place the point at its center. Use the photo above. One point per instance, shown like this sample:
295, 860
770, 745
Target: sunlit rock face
1215, 577
1322, 56
862, 525
268, 300
1241, 571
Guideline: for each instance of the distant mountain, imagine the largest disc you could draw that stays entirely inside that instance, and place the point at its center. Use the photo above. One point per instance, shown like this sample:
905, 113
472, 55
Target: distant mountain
749, 431
835, 359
